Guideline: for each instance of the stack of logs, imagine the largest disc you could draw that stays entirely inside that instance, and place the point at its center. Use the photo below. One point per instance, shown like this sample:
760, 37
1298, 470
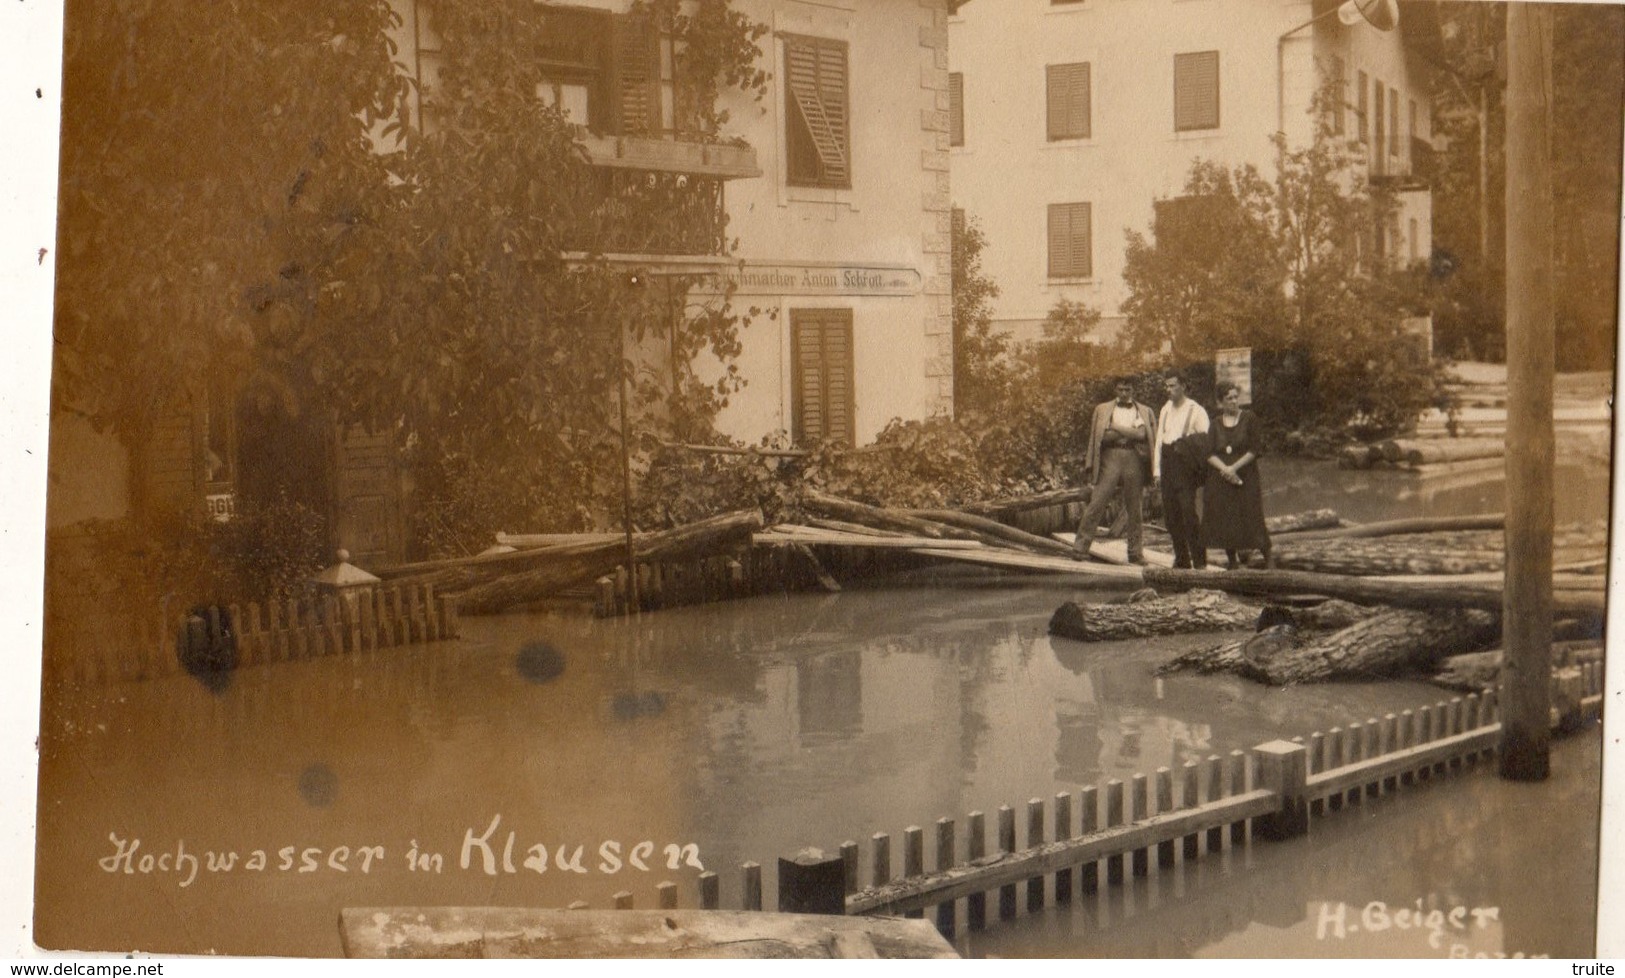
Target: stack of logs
1383, 599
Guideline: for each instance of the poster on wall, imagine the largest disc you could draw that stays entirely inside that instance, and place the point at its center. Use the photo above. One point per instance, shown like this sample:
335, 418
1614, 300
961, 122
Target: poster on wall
540, 616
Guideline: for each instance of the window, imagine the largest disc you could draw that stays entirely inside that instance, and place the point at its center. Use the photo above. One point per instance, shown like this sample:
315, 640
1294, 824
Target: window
1340, 96
818, 144
821, 378
956, 109
1379, 141
1196, 91
1070, 248
1393, 122
1067, 96
1362, 108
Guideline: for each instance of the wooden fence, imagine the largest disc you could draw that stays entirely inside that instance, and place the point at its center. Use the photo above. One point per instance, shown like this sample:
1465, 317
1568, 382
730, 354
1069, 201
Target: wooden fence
1083, 843
225, 637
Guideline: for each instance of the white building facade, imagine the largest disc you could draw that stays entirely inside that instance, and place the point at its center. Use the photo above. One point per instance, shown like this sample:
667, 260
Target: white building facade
838, 203
1071, 118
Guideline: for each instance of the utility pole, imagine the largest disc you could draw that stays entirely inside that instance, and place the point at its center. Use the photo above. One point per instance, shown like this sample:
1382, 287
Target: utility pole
1531, 357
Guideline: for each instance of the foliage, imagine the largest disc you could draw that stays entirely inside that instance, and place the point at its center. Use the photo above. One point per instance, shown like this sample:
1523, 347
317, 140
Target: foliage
715, 48
983, 374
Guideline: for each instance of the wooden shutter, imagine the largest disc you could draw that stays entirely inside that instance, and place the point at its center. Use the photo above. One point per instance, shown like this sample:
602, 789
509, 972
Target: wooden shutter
1393, 122
956, 109
1196, 91
1068, 97
816, 88
1070, 246
1340, 95
1363, 108
635, 74
1379, 141
822, 404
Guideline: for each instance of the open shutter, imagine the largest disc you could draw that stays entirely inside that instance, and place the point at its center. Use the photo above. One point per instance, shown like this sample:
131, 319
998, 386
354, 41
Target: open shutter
821, 378
1068, 98
1196, 91
635, 75
956, 109
817, 88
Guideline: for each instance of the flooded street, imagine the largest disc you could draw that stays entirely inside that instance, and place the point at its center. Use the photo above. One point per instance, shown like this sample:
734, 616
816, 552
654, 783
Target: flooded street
747, 731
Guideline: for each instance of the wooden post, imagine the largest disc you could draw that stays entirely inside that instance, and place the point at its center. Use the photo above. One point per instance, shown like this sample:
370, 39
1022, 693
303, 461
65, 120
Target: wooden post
710, 891
1425, 733
1139, 794
1088, 824
623, 900
1335, 758
1165, 804
369, 620
752, 899
913, 859
849, 865
1238, 785
1007, 843
1317, 764
1190, 797
1063, 831
976, 848
1115, 865
1035, 838
667, 895
1215, 791
1283, 768
880, 859
448, 616
1526, 619
945, 861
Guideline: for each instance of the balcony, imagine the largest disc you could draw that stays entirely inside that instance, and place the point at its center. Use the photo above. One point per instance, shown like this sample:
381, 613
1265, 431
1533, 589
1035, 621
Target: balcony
719, 161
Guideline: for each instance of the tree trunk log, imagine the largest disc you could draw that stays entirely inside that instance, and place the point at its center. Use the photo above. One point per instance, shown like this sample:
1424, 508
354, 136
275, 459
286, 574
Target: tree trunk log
1388, 644
1357, 456
1276, 623
1484, 595
1315, 519
993, 509
1194, 611
879, 517
1424, 524
994, 533
1434, 450
1474, 671
1449, 552
571, 569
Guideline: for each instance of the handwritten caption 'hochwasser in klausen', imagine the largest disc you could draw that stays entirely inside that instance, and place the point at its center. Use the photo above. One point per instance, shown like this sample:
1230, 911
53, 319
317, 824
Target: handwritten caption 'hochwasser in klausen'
491, 853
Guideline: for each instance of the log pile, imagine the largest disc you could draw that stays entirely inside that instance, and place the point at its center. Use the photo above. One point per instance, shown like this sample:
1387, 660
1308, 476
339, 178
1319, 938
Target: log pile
1423, 455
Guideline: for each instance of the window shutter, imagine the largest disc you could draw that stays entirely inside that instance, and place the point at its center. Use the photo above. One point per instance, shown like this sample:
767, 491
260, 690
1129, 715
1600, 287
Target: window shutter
1340, 95
636, 76
1363, 109
1379, 141
1393, 122
1196, 91
956, 109
1070, 247
817, 88
821, 397
1068, 98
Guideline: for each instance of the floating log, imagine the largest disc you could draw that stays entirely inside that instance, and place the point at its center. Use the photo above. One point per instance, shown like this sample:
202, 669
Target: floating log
1484, 593
1274, 622
994, 532
567, 570
1424, 524
880, 517
1315, 519
1192, 611
1358, 456
1433, 450
1474, 671
1391, 643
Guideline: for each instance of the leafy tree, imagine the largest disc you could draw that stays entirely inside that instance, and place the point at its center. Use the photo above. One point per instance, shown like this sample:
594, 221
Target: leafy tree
982, 370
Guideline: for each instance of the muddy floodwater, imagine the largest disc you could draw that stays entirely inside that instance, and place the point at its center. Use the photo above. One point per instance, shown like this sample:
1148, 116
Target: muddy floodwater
548, 757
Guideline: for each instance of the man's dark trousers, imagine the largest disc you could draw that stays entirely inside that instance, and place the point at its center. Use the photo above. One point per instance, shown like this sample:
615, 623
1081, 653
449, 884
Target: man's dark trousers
1179, 511
1121, 470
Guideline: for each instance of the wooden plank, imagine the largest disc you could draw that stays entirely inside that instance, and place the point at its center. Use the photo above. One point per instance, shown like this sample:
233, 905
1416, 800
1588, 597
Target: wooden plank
826, 538
521, 932
1116, 551
1034, 562
1008, 869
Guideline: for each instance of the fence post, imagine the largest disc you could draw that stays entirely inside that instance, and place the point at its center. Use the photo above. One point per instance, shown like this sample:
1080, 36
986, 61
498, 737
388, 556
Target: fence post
1215, 791
1165, 804
913, 859
976, 848
752, 899
710, 891
849, 865
880, 861
1283, 768
1063, 831
1115, 865
1189, 797
1088, 824
1007, 843
1139, 800
945, 861
1035, 838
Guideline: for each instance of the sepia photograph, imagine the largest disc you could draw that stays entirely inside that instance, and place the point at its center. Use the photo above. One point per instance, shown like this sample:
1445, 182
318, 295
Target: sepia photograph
824, 479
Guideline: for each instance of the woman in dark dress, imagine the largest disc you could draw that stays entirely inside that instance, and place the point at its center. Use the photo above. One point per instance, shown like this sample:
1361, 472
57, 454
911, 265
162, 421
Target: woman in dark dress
1232, 499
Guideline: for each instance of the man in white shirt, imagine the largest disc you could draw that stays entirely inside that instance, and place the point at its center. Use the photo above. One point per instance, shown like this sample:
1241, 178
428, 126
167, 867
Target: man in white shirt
1176, 466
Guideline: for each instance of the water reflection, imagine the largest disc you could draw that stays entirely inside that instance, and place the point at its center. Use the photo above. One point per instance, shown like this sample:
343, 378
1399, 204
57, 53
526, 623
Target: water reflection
749, 729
